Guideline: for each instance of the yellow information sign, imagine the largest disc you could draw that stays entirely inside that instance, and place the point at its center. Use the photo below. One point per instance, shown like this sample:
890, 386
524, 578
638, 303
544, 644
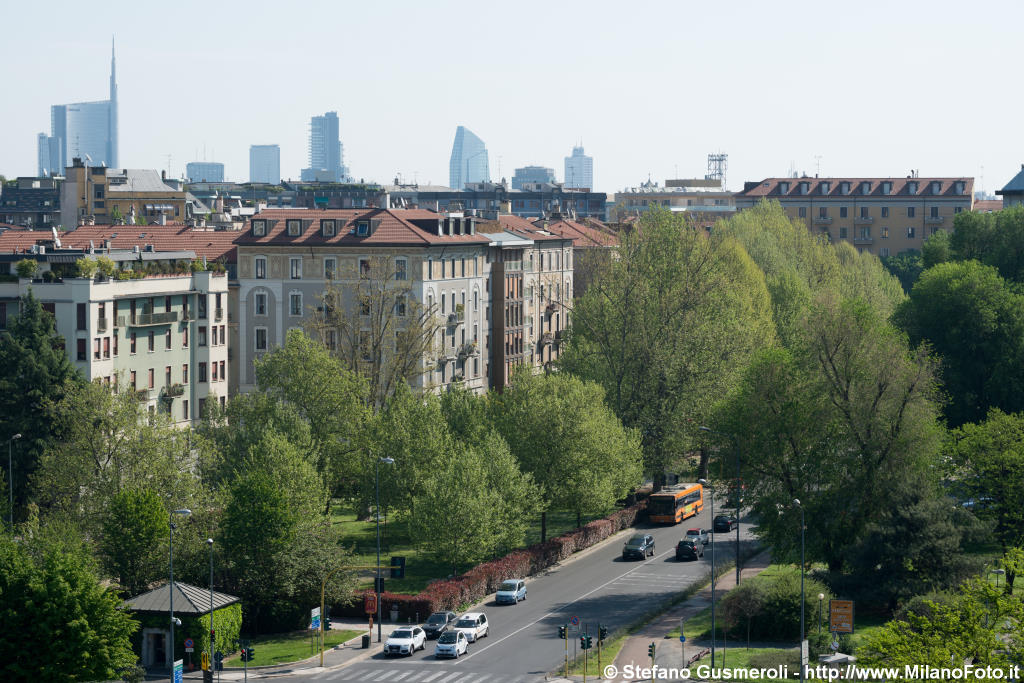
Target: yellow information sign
840, 616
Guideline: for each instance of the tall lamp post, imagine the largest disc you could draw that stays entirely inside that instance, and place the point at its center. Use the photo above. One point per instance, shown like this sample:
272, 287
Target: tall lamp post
10, 480
736, 448
184, 512
386, 461
209, 543
796, 502
821, 601
705, 484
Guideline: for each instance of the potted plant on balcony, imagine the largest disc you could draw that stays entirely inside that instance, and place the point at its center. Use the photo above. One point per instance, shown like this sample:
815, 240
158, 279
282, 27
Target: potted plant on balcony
26, 268
86, 267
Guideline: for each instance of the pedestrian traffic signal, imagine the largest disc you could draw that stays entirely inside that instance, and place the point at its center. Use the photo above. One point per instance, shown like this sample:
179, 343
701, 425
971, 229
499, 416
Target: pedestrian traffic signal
650, 650
602, 632
561, 632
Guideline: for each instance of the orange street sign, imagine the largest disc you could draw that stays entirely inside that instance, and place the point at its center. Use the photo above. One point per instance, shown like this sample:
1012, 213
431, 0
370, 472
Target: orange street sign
840, 616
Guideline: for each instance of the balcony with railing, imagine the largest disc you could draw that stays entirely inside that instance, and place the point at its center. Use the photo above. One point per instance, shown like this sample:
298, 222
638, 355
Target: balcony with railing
863, 220
173, 390
457, 316
863, 240
218, 315
550, 309
101, 324
468, 350
822, 220
145, 319
935, 220
546, 339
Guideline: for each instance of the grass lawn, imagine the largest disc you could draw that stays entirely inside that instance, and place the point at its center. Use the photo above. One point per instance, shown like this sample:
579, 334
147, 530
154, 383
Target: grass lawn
609, 651
420, 568
288, 647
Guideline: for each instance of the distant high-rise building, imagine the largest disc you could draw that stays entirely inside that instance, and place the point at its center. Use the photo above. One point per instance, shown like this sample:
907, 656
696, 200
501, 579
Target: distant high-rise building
205, 171
326, 153
469, 162
265, 164
82, 129
579, 170
532, 174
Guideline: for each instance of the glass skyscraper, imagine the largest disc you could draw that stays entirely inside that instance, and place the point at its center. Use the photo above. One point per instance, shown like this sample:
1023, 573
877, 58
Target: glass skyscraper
579, 170
265, 164
469, 162
81, 129
326, 153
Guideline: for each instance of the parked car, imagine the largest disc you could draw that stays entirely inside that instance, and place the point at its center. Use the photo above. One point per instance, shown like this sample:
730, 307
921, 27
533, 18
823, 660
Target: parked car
689, 548
451, 644
405, 641
473, 624
638, 545
511, 591
725, 523
438, 623
702, 535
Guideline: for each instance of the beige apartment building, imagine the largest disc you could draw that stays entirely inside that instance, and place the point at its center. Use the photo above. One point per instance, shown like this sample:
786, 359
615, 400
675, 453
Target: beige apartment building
884, 216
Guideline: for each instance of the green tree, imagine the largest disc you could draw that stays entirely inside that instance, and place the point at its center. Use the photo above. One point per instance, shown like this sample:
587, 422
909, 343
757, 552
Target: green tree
86, 267
936, 249
973, 319
49, 595
666, 327
26, 268
329, 396
34, 375
905, 266
989, 469
105, 266
131, 544
995, 239
562, 433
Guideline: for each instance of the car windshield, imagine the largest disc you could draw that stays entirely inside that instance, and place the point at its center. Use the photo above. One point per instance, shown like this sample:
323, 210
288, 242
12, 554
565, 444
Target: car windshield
635, 541
466, 623
687, 541
438, 618
448, 637
693, 532
509, 586
722, 518
404, 633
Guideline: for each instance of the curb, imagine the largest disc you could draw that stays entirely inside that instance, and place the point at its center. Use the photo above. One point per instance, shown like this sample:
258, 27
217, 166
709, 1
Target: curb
298, 662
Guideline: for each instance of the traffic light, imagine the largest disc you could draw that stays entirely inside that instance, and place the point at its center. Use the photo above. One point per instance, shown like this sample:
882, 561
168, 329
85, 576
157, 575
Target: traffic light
583, 642
602, 632
248, 654
397, 567
561, 632
326, 619
245, 655
590, 642
378, 584
650, 650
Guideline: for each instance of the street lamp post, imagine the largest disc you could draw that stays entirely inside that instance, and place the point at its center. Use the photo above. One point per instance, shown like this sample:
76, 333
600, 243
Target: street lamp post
386, 461
10, 480
209, 542
705, 484
185, 512
821, 600
736, 449
796, 502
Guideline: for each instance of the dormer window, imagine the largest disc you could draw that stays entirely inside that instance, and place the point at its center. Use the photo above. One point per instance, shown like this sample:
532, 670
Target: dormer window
845, 188
329, 228
865, 187
826, 187
805, 187
886, 187
912, 188
363, 228
259, 228
294, 228
783, 188
959, 187
936, 187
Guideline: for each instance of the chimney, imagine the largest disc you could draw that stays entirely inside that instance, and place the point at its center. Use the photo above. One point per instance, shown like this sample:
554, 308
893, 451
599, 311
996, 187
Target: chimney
162, 219
163, 174
106, 244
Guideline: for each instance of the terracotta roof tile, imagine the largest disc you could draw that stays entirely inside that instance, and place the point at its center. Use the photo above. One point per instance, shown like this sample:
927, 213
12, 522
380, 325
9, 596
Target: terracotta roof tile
770, 187
582, 235
213, 244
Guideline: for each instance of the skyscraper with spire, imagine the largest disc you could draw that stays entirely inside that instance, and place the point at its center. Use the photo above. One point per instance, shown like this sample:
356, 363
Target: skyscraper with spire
87, 130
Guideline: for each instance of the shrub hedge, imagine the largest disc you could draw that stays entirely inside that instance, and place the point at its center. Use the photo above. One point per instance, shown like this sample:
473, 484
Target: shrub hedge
483, 579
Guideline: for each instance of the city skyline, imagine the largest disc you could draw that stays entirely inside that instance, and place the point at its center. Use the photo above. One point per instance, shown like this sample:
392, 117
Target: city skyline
755, 77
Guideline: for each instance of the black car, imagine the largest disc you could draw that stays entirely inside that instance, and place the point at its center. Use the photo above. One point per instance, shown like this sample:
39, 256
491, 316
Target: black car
725, 523
438, 623
639, 545
689, 548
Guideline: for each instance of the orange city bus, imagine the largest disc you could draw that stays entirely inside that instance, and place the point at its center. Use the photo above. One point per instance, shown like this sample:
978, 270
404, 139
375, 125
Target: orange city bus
673, 504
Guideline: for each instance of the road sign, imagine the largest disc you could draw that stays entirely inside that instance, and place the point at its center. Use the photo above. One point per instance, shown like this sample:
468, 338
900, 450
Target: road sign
835, 645
840, 616
314, 618
179, 671
575, 621
805, 652
682, 638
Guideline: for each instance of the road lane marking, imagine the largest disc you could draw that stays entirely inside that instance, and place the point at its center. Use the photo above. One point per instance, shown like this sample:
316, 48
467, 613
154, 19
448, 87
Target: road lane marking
402, 675
432, 677
550, 614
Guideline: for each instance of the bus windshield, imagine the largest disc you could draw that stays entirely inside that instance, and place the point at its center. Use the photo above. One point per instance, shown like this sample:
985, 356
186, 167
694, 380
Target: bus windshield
661, 505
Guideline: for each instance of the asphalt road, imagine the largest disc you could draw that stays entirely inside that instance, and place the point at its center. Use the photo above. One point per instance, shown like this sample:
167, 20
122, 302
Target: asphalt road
523, 643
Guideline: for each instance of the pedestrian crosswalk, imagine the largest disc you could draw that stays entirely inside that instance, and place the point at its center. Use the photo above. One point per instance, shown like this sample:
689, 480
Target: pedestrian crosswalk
362, 674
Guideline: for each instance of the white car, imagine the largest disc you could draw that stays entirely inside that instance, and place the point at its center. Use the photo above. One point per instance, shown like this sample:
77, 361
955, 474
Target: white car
451, 644
473, 624
405, 641
511, 591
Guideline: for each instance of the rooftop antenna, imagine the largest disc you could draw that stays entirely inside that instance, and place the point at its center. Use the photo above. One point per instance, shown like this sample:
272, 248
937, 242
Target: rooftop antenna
169, 175
817, 165
718, 164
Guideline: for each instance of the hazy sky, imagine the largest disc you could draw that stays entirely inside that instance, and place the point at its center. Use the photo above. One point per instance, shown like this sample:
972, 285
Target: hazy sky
873, 88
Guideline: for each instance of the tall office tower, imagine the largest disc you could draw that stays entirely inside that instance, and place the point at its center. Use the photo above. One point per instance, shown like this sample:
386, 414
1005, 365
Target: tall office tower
532, 174
82, 129
265, 164
579, 170
204, 171
469, 160
326, 153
